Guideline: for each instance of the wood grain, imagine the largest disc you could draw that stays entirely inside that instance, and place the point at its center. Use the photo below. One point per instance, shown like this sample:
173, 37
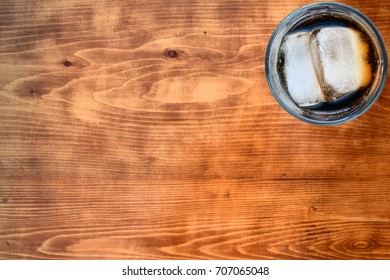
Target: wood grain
146, 130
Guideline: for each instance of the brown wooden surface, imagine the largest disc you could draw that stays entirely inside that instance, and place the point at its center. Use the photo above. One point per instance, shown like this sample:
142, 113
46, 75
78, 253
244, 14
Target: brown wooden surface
111, 146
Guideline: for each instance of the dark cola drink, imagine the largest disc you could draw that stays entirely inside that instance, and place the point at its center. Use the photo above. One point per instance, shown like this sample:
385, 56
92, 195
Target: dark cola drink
327, 62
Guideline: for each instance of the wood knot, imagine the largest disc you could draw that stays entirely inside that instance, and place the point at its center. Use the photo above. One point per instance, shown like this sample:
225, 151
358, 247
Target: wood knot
172, 53
362, 244
311, 210
67, 63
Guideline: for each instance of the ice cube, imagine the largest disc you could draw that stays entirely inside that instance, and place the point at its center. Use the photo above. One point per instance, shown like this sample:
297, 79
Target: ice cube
299, 71
343, 57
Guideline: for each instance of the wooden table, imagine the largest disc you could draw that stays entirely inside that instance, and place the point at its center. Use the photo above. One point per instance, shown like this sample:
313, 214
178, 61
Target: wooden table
146, 130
